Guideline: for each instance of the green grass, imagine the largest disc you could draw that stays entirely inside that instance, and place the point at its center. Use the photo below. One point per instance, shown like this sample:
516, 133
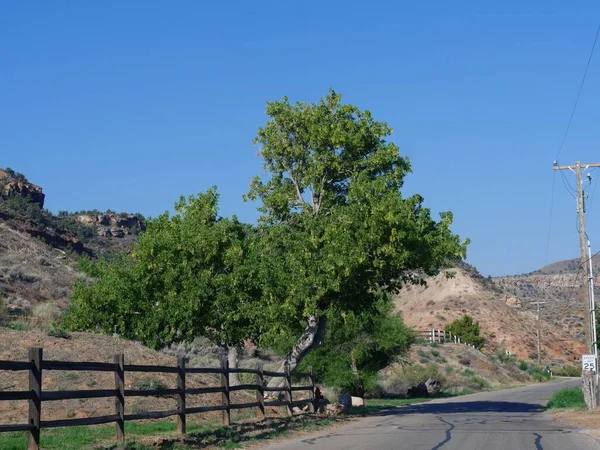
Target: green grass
76, 438
567, 399
198, 436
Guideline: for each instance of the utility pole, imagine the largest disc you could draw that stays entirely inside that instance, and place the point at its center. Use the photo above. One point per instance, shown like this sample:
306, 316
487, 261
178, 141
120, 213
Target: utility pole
587, 308
539, 334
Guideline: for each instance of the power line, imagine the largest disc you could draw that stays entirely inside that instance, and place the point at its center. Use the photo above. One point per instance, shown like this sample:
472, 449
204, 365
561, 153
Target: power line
578, 94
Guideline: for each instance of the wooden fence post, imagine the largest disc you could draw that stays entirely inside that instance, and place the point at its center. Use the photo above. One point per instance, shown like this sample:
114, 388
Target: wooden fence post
119, 359
181, 397
288, 391
311, 379
35, 403
260, 396
226, 417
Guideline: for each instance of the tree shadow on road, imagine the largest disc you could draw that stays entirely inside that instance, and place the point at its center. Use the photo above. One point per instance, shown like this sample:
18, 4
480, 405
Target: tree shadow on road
462, 408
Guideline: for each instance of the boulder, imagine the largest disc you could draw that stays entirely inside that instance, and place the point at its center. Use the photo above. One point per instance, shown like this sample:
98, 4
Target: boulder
419, 390
345, 399
357, 401
334, 409
433, 386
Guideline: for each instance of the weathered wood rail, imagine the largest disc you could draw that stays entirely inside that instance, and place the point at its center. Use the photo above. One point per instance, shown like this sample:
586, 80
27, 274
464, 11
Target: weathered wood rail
36, 396
439, 336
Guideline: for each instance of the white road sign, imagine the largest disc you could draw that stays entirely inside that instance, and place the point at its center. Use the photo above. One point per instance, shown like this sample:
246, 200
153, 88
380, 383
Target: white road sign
588, 362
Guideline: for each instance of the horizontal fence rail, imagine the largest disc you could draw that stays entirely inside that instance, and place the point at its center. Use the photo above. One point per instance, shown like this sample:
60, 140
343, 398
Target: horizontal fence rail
36, 395
440, 336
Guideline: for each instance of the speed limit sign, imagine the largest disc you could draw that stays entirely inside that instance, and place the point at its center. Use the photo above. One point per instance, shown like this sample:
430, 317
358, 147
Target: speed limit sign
588, 362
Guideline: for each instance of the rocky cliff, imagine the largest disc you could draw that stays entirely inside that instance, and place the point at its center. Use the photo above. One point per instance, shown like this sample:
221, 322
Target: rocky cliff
18, 186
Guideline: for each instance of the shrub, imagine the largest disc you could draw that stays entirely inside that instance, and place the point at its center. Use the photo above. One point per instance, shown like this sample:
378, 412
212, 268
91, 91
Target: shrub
423, 360
149, 384
566, 371
19, 326
523, 365
502, 356
539, 375
467, 330
47, 314
448, 369
435, 353
567, 398
59, 332
414, 374
434, 344
468, 373
421, 353
479, 382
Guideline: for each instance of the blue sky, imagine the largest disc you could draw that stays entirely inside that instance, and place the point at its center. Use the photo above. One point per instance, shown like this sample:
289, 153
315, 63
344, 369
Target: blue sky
127, 105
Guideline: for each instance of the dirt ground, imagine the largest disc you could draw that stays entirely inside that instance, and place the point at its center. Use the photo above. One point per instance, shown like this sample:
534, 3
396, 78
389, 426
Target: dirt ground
587, 421
14, 346
504, 327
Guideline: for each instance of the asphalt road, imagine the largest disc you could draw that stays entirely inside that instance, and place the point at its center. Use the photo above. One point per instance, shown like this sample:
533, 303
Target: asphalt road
511, 419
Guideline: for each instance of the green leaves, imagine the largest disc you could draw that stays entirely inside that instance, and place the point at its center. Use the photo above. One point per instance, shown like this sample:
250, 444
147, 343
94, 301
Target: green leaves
186, 277
333, 213
467, 330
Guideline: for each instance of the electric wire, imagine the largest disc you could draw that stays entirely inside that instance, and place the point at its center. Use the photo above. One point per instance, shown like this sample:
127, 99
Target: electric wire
562, 143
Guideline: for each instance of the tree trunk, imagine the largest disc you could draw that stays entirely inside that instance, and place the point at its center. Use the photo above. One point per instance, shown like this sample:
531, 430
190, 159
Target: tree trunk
360, 391
313, 336
591, 389
233, 358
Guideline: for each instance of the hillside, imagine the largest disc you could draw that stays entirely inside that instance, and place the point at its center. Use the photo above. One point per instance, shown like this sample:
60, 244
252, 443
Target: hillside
506, 325
39, 250
14, 346
558, 285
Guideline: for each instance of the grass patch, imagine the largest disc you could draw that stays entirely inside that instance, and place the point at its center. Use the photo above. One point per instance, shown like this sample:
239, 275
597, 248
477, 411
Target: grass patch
77, 438
567, 399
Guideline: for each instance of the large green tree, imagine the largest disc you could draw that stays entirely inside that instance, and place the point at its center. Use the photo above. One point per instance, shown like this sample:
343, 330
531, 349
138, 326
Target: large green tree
334, 218
187, 276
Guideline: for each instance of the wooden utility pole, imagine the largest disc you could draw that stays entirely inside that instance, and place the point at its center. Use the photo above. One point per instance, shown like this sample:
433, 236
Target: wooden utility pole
577, 169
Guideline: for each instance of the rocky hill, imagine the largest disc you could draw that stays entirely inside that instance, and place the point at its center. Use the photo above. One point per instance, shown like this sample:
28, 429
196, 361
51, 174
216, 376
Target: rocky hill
505, 323
558, 287
39, 250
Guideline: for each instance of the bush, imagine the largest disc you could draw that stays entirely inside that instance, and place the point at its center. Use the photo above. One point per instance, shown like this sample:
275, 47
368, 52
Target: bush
47, 315
566, 371
59, 333
435, 353
448, 369
149, 384
538, 375
567, 398
19, 326
468, 373
421, 353
479, 382
523, 365
467, 330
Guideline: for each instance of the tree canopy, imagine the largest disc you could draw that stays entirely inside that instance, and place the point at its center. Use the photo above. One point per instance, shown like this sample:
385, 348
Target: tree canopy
332, 200
185, 277
335, 233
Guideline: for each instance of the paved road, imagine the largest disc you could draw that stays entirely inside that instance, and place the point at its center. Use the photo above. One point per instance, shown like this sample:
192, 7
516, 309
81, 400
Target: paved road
511, 419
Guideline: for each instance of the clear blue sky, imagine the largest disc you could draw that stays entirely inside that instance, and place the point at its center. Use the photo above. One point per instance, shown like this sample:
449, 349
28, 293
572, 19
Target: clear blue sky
127, 105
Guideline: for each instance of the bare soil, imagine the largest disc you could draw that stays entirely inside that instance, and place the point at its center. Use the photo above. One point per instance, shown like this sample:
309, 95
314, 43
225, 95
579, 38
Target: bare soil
14, 346
504, 327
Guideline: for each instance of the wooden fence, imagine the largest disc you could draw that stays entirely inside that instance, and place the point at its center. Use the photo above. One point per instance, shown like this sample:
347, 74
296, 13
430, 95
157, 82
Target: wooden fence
440, 336
36, 395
